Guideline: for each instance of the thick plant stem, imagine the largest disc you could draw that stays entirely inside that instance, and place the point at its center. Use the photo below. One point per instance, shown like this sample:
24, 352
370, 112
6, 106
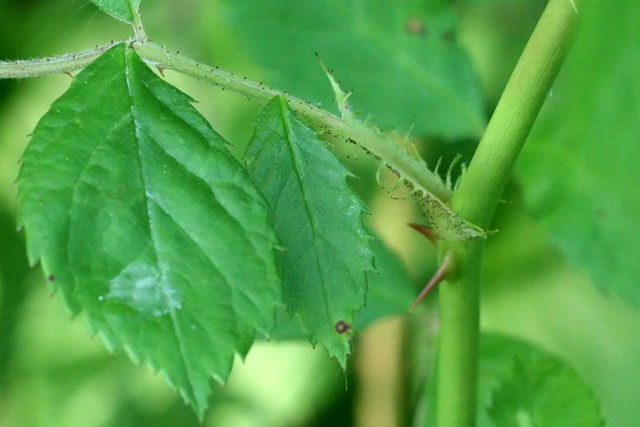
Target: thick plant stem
476, 200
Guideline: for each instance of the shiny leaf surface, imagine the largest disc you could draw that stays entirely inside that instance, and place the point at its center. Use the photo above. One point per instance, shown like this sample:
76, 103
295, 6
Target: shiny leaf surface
143, 220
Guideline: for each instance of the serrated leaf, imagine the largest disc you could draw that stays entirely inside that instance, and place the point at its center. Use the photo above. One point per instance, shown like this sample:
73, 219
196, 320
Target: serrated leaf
580, 171
390, 291
397, 56
143, 220
523, 386
318, 220
124, 10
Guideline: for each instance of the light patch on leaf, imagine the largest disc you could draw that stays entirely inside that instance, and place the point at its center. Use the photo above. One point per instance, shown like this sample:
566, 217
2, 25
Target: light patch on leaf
141, 286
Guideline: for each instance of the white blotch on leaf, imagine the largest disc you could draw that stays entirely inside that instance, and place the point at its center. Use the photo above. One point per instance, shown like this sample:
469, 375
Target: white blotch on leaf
142, 287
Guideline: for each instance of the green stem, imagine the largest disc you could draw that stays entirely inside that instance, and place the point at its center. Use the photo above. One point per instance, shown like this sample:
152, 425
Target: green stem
138, 28
373, 141
476, 200
369, 138
38, 67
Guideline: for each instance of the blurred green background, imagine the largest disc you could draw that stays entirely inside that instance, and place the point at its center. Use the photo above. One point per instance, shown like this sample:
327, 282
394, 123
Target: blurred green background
561, 274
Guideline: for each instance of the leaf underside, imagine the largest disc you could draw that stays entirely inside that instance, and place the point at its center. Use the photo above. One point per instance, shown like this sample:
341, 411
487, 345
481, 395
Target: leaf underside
144, 221
318, 221
123, 10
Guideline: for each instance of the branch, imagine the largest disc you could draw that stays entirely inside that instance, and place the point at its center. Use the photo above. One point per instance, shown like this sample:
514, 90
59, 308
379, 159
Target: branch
52, 65
394, 156
373, 142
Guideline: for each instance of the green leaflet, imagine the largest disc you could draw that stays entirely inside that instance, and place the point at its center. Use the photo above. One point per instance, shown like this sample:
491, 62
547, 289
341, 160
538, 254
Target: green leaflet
124, 10
398, 56
317, 218
523, 386
143, 220
581, 172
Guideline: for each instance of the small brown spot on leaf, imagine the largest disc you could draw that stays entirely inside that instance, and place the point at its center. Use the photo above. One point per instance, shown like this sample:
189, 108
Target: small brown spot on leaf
51, 277
342, 327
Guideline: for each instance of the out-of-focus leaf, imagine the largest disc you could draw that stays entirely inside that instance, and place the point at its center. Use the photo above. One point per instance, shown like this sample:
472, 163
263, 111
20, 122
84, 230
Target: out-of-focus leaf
397, 56
123, 10
582, 169
13, 270
391, 290
143, 220
318, 220
523, 386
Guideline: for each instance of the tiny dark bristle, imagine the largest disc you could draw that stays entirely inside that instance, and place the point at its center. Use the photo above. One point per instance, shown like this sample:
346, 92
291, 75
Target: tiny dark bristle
51, 277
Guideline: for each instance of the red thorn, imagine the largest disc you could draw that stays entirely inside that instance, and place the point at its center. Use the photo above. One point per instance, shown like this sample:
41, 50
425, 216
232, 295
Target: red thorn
160, 70
426, 232
441, 273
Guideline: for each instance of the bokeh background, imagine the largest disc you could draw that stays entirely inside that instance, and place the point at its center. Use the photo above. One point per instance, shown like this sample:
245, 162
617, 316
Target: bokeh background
561, 274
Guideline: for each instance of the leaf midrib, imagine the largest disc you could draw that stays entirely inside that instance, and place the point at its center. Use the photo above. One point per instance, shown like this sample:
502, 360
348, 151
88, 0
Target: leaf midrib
171, 309
283, 114
215, 197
